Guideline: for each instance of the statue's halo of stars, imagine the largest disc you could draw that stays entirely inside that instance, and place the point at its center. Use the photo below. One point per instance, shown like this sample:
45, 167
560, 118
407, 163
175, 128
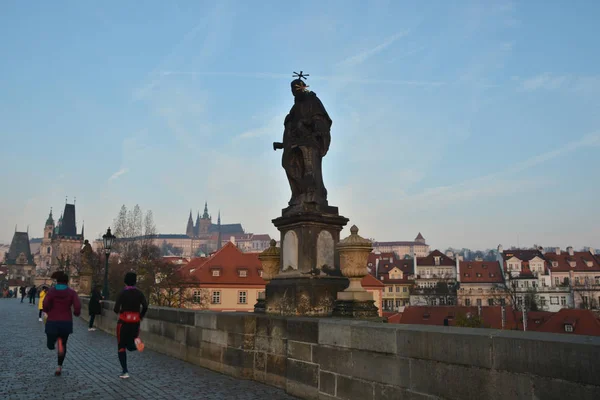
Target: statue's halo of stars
301, 85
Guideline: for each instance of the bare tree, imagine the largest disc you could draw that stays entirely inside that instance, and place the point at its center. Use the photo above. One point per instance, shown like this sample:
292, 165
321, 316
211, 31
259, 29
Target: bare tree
587, 293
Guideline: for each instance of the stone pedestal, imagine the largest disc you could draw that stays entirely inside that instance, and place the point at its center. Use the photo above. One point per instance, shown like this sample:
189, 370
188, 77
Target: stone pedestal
309, 277
303, 296
355, 301
85, 284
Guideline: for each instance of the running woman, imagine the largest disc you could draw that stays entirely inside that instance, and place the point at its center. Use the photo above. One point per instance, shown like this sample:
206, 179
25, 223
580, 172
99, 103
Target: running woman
128, 305
41, 302
59, 325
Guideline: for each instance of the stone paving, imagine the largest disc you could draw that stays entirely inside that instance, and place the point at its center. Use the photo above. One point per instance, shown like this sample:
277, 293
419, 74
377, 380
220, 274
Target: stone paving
91, 369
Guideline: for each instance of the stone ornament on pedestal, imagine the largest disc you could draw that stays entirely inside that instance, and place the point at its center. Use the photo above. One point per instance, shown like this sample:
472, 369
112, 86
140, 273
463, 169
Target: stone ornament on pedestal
271, 262
355, 301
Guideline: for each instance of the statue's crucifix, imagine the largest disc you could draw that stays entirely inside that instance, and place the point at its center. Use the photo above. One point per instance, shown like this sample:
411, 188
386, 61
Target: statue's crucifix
300, 75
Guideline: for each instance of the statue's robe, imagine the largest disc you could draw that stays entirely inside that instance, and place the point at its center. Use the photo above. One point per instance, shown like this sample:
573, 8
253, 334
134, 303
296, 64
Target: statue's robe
306, 141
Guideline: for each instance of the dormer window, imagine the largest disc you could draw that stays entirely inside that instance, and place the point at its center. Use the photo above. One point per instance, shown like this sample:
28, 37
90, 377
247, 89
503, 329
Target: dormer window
555, 264
572, 264
243, 273
589, 263
216, 272
568, 328
437, 260
478, 275
484, 266
467, 274
492, 275
470, 266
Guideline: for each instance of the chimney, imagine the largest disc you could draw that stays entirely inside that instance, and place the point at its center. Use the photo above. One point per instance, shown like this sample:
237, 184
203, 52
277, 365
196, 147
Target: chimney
457, 269
500, 248
503, 313
557, 250
592, 251
524, 319
570, 250
414, 263
232, 239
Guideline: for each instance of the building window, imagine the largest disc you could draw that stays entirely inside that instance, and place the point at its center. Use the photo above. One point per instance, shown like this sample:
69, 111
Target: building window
216, 272
243, 273
397, 289
556, 281
563, 300
390, 289
48, 250
478, 302
502, 302
467, 302
478, 275
404, 289
242, 297
542, 301
554, 300
490, 302
49, 235
568, 328
196, 297
259, 292
216, 297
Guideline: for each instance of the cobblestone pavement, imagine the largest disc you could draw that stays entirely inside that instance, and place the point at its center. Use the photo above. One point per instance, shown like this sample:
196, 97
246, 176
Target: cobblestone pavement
91, 369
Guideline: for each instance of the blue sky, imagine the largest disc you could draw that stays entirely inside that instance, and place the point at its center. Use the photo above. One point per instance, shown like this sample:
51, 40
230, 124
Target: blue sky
475, 123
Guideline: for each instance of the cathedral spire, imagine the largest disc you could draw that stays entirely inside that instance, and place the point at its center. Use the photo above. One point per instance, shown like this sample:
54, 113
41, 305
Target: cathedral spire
205, 215
189, 230
219, 236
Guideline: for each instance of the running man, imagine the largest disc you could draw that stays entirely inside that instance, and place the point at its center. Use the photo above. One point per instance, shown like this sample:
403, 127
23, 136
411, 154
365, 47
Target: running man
128, 305
59, 325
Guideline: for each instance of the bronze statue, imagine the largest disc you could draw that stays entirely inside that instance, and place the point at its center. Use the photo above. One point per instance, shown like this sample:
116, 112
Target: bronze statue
306, 139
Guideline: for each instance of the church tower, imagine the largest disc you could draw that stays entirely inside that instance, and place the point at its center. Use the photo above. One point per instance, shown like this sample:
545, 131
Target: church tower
205, 221
189, 230
46, 247
219, 237
197, 226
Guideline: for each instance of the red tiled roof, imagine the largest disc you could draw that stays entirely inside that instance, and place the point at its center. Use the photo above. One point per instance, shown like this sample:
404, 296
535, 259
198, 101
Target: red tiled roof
229, 261
368, 281
584, 322
492, 316
522, 254
581, 258
430, 259
480, 272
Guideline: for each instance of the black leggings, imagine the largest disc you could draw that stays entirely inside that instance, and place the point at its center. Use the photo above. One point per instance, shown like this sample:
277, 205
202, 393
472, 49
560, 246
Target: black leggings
52, 345
92, 318
40, 313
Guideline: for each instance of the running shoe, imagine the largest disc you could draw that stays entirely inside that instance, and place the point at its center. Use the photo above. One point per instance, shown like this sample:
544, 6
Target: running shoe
40, 320
139, 345
124, 375
58, 371
61, 348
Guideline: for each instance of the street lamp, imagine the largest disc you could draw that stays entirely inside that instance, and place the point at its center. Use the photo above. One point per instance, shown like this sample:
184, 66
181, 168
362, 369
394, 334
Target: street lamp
108, 238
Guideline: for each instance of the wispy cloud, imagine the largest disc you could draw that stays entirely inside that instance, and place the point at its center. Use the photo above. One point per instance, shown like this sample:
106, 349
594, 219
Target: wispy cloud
117, 174
544, 81
273, 126
323, 78
491, 184
548, 82
366, 54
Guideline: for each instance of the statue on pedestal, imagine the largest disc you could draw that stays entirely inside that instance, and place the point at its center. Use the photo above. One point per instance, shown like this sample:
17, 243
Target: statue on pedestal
306, 139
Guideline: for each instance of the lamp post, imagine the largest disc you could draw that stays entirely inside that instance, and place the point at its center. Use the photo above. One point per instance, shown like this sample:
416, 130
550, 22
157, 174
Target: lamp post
108, 238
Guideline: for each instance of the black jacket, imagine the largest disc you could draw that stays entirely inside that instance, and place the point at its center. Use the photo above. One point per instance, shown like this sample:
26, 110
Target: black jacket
131, 299
95, 308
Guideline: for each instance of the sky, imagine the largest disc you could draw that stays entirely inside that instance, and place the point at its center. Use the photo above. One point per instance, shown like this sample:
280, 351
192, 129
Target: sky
476, 123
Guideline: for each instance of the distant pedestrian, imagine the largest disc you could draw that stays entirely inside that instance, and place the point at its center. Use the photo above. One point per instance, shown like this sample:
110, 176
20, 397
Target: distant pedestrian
43, 293
128, 305
94, 307
59, 325
32, 293
23, 291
